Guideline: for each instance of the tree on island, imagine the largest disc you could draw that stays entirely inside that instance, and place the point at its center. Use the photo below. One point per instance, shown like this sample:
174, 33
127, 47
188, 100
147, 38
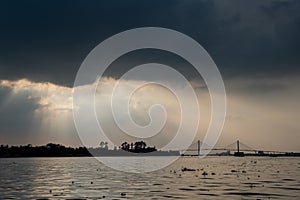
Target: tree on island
125, 146
137, 147
103, 145
140, 145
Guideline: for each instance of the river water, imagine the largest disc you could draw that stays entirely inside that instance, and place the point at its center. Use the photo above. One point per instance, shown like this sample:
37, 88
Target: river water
86, 178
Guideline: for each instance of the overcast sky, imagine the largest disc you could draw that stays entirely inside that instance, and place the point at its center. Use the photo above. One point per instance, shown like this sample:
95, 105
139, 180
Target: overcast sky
255, 44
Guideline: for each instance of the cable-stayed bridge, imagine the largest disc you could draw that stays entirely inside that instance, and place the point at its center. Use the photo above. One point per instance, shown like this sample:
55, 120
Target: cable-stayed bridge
236, 148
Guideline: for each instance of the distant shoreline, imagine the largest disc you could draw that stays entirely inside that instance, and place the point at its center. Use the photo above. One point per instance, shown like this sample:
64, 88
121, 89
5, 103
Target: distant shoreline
134, 156
57, 150
146, 155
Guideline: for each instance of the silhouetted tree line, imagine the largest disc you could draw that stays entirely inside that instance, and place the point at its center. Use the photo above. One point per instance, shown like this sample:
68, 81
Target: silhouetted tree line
58, 150
49, 150
137, 147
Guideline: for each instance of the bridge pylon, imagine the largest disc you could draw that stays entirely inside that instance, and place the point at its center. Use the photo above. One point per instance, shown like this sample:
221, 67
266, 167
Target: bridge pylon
238, 153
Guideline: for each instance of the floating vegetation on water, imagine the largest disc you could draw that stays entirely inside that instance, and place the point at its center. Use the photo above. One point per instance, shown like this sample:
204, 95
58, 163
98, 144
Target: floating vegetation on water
204, 173
123, 194
185, 169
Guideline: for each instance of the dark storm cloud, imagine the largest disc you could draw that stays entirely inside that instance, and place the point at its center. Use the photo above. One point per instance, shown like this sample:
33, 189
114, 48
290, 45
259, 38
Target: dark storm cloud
262, 88
48, 40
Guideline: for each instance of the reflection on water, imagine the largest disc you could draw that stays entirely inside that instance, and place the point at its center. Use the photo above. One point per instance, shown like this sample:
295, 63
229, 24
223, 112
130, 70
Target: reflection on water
213, 178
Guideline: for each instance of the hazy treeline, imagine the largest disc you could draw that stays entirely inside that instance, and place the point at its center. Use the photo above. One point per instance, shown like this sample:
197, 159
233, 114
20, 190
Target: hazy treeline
49, 150
139, 148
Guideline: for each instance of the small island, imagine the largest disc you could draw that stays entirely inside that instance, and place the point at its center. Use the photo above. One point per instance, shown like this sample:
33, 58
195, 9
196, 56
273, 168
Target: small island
138, 148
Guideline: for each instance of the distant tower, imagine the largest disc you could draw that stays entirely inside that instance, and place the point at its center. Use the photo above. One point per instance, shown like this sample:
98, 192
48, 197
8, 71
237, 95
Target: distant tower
238, 153
199, 147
